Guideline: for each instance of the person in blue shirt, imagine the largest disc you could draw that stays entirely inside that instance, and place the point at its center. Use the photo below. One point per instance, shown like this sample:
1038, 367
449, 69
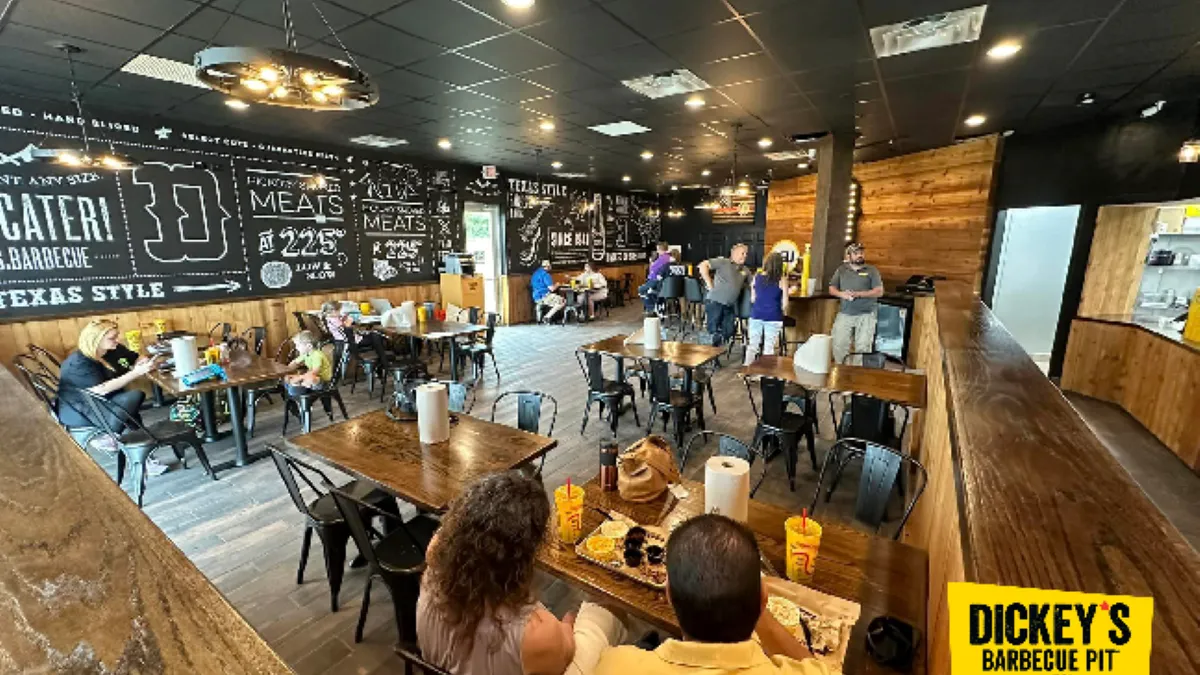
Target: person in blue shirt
544, 292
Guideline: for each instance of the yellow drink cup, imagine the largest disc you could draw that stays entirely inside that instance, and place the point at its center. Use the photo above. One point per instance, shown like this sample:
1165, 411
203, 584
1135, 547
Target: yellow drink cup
133, 340
570, 513
803, 545
422, 315
364, 307
160, 326
212, 355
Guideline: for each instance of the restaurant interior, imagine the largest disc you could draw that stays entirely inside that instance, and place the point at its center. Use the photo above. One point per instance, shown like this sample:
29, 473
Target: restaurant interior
907, 294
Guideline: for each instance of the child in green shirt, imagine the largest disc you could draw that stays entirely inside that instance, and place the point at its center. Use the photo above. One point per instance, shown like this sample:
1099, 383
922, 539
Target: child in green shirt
318, 370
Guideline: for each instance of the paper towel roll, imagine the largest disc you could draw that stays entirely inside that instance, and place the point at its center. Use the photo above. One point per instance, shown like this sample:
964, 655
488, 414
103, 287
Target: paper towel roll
433, 413
815, 354
652, 331
727, 487
183, 350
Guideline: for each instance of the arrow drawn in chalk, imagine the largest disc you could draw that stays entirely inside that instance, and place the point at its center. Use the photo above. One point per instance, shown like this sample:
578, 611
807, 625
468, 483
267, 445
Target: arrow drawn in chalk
229, 286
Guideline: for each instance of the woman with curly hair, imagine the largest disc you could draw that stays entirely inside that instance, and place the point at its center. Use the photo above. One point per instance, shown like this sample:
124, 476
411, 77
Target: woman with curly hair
477, 614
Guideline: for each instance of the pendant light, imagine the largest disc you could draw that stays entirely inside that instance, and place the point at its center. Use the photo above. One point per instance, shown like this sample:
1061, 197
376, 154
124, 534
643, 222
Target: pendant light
287, 77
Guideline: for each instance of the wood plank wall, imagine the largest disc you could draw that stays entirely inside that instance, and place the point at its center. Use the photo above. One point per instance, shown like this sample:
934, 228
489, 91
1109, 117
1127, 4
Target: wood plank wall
924, 213
935, 522
1155, 379
60, 335
1115, 262
516, 298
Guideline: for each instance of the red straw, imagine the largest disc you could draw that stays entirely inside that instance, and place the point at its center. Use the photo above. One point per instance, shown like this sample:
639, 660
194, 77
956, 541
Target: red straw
569, 488
803, 516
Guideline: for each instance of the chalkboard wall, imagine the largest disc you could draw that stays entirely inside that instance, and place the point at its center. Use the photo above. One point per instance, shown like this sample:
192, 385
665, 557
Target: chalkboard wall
210, 216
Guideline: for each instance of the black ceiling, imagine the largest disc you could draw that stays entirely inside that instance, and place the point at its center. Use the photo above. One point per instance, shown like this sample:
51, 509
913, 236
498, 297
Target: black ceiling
484, 74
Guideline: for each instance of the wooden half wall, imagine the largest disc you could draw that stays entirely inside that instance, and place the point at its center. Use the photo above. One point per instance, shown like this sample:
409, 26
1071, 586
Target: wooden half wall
925, 213
1115, 261
275, 314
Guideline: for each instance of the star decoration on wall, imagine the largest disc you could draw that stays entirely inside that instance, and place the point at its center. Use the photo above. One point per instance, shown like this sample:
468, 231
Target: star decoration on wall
163, 133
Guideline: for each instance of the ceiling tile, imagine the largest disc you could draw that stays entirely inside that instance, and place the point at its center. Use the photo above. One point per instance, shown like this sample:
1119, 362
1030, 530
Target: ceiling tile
221, 28
35, 40
514, 53
633, 61
54, 67
457, 70
883, 12
160, 13
816, 34
407, 84
751, 67
444, 22
305, 18
541, 11
67, 21
584, 33
954, 57
512, 90
568, 76
668, 17
709, 44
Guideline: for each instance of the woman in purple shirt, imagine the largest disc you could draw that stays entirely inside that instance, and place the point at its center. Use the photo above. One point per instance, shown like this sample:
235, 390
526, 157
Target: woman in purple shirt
768, 301
658, 269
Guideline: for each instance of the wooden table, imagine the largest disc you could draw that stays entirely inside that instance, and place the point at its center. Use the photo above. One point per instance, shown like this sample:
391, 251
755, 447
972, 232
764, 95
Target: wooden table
90, 584
439, 330
258, 369
888, 385
882, 575
377, 448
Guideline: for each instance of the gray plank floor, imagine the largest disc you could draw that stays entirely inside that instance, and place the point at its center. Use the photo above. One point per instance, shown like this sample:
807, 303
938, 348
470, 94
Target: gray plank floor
243, 532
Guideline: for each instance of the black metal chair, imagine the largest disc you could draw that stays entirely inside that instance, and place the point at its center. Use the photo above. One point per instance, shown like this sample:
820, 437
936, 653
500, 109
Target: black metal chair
136, 440
29, 365
301, 320
670, 296
48, 360
412, 657
741, 322
322, 516
781, 428
224, 330
399, 365
573, 308
727, 446
301, 404
255, 339
478, 351
882, 471
369, 362
693, 293
865, 418
397, 559
255, 394
607, 392
529, 414
672, 404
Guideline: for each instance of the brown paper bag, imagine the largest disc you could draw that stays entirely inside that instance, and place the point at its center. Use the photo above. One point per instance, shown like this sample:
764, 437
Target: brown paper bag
645, 470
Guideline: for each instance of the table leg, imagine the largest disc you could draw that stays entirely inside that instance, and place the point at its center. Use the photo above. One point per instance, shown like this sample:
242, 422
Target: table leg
208, 412
157, 393
236, 423
453, 359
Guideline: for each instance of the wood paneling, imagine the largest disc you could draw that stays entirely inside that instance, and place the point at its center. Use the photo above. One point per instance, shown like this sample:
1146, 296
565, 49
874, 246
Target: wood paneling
275, 314
924, 213
88, 583
1153, 378
812, 315
935, 522
1115, 262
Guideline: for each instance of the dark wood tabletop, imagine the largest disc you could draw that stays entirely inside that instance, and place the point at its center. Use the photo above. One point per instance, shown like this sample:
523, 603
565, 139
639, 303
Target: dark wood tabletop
433, 330
683, 354
379, 449
882, 575
258, 369
88, 582
888, 385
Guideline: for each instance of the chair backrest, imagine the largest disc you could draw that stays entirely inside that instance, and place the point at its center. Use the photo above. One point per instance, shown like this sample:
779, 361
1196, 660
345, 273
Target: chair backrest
529, 410
110, 417
286, 352
594, 371
256, 338
727, 445
772, 401
473, 315
461, 397
29, 365
290, 469
301, 323
874, 360
881, 468
46, 389
413, 658
867, 419
692, 290
672, 287
492, 319
337, 352
660, 381
48, 360
223, 329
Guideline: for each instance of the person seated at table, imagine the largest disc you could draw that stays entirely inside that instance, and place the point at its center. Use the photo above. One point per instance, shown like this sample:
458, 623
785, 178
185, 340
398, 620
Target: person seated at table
545, 292
89, 368
658, 269
596, 285
477, 614
339, 325
716, 590
768, 302
318, 371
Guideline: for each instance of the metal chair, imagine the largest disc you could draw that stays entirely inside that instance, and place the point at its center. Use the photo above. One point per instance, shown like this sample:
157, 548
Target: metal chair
255, 338
741, 322
48, 360
322, 516
136, 441
867, 419
479, 351
301, 404
881, 473
529, 414
412, 657
606, 392
251, 396
693, 293
782, 428
727, 446
670, 402
226, 329
397, 559
670, 295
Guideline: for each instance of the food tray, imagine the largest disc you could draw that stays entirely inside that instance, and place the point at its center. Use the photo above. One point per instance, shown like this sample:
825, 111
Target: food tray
823, 613
654, 576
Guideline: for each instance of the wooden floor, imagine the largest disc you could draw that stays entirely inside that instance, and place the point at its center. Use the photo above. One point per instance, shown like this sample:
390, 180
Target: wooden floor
243, 532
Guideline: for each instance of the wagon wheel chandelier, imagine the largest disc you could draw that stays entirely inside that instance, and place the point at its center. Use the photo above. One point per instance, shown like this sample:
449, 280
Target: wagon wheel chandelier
287, 77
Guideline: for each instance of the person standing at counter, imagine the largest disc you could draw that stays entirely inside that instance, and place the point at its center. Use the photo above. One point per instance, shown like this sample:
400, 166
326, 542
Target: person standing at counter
859, 287
545, 292
768, 301
648, 291
725, 279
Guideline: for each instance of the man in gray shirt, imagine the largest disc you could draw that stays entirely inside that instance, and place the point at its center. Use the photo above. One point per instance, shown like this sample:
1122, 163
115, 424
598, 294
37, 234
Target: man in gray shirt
859, 286
725, 279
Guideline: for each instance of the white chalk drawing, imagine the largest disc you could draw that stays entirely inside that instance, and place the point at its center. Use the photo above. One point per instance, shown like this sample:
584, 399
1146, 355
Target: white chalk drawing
276, 274
22, 156
384, 270
174, 219
229, 286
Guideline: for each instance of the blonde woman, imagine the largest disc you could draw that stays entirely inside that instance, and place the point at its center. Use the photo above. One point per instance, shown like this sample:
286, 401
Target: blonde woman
87, 369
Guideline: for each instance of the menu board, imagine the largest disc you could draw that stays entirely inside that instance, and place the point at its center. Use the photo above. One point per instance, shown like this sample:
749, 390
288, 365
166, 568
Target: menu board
570, 225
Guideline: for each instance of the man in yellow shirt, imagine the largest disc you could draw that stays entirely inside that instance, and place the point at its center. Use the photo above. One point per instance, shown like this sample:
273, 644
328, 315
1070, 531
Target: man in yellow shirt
714, 585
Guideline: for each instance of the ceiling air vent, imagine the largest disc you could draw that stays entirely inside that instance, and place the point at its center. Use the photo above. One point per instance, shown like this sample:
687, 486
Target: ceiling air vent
935, 30
669, 83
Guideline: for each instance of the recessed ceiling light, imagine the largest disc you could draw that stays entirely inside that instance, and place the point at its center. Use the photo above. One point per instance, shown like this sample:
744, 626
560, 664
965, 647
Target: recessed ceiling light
1086, 98
975, 120
236, 104
765, 143
674, 188
556, 165
518, 4
445, 144
622, 128
546, 125
706, 172
785, 155
625, 178
694, 102
802, 165
1003, 50
376, 141
646, 154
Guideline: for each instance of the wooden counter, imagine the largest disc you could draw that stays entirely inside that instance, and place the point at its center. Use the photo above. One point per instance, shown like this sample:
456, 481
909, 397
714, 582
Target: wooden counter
1022, 493
1153, 376
87, 582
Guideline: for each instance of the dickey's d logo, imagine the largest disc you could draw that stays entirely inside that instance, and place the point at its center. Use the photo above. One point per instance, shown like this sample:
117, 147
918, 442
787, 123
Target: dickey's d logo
1001, 629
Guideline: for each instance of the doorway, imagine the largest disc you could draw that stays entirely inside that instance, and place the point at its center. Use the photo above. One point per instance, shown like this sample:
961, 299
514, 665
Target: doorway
481, 222
1035, 247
